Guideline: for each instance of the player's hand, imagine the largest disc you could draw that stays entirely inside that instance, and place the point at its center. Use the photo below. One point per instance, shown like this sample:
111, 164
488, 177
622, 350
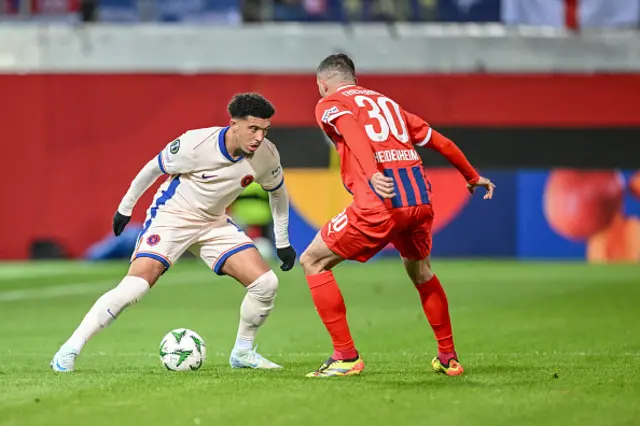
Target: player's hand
288, 257
382, 185
119, 223
484, 183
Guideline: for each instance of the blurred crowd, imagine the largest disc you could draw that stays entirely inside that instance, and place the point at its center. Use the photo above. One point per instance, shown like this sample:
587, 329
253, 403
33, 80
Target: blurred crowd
571, 13
233, 11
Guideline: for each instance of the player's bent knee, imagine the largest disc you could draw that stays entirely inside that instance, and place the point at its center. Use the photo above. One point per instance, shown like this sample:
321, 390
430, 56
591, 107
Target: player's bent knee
318, 257
265, 287
419, 271
245, 266
146, 268
306, 260
310, 264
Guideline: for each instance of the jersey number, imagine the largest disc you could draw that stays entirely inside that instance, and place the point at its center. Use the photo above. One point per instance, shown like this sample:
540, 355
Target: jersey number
338, 223
384, 111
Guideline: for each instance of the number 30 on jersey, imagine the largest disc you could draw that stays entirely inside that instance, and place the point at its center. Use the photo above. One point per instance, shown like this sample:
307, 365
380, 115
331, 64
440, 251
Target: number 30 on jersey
388, 116
338, 223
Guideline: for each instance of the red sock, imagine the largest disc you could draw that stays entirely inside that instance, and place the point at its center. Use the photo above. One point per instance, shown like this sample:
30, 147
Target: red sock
330, 306
436, 308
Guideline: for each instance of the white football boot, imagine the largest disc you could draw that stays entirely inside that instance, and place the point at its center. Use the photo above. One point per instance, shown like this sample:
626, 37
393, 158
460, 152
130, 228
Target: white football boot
64, 360
249, 359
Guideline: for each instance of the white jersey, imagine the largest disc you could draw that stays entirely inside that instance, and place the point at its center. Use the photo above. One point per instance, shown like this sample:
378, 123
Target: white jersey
206, 179
188, 211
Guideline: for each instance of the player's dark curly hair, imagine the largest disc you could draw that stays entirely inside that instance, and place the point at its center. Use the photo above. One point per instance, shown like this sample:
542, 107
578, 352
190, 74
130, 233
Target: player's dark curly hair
250, 104
339, 63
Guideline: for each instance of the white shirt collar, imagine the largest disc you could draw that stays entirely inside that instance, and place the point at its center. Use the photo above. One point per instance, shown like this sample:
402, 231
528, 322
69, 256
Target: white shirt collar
344, 87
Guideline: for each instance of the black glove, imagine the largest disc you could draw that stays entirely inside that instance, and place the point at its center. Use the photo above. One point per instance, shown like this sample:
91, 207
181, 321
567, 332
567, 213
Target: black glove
288, 257
119, 222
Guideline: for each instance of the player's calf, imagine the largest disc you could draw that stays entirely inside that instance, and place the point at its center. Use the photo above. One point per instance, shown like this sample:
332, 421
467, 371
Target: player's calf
256, 307
436, 308
106, 309
250, 269
317, 262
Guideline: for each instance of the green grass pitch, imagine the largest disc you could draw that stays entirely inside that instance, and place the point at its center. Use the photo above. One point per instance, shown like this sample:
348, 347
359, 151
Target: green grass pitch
542, 344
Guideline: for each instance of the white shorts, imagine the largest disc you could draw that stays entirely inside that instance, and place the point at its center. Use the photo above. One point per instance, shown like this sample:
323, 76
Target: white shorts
167, 237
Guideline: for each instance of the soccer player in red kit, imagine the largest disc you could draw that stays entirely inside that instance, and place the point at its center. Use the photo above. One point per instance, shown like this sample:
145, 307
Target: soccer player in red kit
376, 141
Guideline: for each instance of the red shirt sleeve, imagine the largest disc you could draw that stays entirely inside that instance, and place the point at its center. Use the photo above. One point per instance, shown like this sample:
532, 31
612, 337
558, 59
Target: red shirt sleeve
327, 111
440, 143
336, 117
358, 142
419, 130
422, 134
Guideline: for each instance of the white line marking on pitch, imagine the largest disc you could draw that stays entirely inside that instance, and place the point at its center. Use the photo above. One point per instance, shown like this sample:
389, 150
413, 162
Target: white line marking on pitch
57, 291
89, 287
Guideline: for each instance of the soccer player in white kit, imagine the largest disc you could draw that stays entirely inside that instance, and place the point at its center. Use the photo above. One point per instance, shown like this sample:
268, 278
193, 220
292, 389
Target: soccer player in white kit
207, 170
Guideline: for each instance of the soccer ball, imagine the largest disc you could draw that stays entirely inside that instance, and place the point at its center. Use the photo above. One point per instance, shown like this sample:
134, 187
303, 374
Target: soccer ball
182, 349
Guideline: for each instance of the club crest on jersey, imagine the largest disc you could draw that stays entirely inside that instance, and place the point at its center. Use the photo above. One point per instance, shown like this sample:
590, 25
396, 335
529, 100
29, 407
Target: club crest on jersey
246, 181
175, 146
154, 239
328, 112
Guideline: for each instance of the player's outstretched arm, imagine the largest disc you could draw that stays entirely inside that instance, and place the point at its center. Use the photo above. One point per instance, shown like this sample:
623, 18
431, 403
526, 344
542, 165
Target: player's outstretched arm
272, 181
279, 203
424, 135
445, 146
143, 180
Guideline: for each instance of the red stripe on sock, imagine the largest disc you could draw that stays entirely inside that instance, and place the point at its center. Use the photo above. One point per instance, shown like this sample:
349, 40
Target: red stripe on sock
330, 305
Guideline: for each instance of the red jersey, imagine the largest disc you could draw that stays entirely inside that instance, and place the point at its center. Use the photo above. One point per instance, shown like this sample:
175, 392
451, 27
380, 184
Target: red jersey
388, 140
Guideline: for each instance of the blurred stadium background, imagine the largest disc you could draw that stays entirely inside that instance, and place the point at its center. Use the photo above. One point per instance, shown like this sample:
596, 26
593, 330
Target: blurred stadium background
542, 95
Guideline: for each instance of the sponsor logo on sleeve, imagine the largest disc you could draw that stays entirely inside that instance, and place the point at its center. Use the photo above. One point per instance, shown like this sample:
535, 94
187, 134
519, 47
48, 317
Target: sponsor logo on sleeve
328, 112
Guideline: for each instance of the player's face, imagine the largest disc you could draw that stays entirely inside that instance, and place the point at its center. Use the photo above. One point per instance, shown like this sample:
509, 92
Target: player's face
250, 133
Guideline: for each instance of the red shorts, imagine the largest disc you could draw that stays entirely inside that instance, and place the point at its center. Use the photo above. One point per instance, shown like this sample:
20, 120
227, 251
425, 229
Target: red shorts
357, 234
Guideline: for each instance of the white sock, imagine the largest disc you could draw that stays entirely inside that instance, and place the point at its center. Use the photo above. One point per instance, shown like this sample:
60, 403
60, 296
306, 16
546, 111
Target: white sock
107, 308
255, 308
